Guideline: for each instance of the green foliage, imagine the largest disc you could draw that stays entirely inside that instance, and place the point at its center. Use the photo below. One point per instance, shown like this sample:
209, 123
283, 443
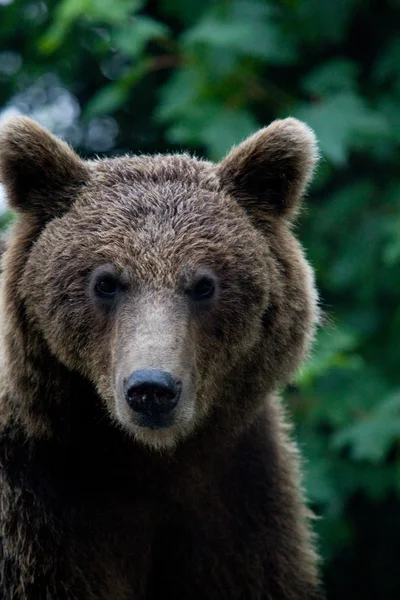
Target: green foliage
137, 76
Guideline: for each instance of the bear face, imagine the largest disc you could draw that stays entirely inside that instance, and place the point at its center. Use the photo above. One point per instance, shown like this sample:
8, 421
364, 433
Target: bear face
174, 286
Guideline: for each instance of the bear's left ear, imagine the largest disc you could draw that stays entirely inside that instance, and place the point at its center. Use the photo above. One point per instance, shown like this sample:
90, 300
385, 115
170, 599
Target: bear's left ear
38, 170
268, 173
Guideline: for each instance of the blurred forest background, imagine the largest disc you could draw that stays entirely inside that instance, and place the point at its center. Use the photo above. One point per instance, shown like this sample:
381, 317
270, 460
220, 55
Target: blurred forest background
113, 76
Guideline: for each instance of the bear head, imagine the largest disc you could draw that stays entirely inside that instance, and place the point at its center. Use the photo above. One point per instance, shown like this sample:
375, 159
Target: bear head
174, 286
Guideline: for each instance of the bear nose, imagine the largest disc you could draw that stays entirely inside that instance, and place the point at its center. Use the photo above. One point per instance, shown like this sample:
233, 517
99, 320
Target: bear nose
152, 392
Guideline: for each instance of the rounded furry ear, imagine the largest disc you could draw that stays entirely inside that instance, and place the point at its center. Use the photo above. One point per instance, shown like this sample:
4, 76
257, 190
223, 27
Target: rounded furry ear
38, 170
268, 173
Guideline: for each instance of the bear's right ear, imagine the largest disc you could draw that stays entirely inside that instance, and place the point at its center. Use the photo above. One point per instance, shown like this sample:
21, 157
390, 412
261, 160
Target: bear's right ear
38, 170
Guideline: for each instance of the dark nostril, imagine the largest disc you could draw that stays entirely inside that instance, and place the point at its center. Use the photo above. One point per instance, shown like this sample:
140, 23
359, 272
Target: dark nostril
150, 391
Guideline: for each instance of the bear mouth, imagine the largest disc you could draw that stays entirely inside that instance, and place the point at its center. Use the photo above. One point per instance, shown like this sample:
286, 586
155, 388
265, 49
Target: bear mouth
155, 421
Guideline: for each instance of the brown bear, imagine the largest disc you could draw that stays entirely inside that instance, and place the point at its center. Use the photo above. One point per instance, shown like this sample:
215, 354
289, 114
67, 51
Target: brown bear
151, 306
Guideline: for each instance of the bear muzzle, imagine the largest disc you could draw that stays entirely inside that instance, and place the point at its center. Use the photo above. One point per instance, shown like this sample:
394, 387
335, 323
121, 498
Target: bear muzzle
152, 395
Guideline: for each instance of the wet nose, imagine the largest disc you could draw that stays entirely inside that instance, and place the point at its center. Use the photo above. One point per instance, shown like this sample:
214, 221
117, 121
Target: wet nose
152, 392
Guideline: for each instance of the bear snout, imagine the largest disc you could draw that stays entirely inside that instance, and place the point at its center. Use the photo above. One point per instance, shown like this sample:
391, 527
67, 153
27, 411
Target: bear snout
153, 395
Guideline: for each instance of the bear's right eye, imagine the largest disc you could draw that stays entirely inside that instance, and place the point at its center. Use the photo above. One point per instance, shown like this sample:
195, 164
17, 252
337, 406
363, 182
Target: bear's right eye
204, 286
106, 286
203, 289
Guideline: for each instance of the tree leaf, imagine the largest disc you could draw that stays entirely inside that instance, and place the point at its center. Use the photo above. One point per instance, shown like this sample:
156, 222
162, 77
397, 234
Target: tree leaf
338, 121
133, 37
371, 438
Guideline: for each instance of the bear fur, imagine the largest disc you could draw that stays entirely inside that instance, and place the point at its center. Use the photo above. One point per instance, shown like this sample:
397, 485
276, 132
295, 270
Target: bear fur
95, 504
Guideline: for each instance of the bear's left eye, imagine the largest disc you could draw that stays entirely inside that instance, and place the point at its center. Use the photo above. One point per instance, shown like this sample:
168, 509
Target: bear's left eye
106, 286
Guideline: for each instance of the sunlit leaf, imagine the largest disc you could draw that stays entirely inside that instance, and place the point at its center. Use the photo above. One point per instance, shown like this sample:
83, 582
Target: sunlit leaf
261, 39
335, 76
373, 436
339, 120
133, 37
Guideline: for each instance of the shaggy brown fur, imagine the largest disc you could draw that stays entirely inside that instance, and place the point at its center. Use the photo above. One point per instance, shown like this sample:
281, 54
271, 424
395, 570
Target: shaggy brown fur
94, 505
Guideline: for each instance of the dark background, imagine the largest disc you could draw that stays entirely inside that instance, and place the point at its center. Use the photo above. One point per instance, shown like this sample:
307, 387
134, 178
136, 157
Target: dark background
113, 76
